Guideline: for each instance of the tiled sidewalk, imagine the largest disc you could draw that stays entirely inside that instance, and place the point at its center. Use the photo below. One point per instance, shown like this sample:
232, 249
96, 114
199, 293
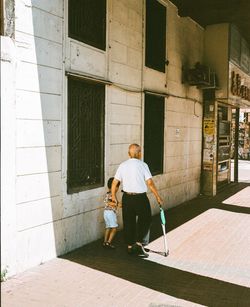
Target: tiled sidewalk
208, 265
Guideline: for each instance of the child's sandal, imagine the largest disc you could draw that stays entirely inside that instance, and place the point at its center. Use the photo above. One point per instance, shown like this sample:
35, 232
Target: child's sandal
109, 245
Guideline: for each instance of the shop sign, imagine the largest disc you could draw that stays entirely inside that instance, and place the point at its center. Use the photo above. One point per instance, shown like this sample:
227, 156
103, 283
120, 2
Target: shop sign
237, 89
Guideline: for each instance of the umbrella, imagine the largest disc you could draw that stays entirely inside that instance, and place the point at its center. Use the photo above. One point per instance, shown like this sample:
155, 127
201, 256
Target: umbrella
163, 225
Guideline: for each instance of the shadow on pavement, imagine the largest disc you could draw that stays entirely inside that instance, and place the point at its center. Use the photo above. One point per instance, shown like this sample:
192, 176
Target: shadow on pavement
175, 282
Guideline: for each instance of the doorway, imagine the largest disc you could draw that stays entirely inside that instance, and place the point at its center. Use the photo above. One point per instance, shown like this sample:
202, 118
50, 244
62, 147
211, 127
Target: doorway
240, 145
224, 148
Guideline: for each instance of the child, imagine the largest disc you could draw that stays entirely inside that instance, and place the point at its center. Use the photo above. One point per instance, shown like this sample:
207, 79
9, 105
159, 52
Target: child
110, 217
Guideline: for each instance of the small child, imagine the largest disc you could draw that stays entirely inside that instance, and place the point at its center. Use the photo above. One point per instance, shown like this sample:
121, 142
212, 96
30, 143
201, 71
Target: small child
110, 217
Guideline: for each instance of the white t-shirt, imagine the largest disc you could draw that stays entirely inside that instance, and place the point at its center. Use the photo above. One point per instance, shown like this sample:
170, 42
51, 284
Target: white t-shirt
133, 173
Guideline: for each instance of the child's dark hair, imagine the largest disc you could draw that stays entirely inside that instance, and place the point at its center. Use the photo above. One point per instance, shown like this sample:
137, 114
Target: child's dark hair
109, 184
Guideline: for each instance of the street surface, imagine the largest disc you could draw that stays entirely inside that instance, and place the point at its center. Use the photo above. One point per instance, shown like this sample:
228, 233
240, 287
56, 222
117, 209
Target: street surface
208, 265
244, 171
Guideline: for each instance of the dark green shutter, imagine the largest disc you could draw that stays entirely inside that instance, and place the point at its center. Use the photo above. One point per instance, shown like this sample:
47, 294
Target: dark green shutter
85, 135
154, 133
155, 35
87, 22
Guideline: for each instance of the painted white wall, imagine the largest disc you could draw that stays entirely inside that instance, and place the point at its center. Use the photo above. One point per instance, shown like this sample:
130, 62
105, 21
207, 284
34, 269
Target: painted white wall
49, 221
123, 64
8, 156
38, 152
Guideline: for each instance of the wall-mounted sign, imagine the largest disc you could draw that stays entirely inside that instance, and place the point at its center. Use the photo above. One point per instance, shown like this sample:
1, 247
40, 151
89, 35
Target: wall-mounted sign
238, 89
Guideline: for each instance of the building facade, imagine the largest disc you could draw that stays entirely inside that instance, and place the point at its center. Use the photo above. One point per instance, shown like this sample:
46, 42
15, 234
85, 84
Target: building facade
226, 52
77, 87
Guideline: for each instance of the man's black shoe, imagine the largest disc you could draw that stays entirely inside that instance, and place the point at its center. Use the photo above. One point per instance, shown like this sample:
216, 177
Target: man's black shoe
139, 251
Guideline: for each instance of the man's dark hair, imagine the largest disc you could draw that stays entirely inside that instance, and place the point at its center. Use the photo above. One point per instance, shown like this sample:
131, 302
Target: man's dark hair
109, 184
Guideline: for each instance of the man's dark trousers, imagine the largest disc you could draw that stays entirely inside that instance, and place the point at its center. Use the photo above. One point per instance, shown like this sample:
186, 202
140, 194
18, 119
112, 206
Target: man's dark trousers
137, 217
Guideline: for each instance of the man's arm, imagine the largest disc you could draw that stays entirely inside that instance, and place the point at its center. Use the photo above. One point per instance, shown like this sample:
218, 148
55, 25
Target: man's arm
153, 189
113, 190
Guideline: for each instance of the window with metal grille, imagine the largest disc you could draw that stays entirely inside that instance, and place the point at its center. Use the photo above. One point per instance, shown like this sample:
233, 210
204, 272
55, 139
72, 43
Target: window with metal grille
155, 35
87, 22
154, 133
86, 102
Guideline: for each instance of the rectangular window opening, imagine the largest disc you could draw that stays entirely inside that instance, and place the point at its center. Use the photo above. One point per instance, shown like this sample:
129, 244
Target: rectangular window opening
155, 55
154, 132
87, 22
86, 108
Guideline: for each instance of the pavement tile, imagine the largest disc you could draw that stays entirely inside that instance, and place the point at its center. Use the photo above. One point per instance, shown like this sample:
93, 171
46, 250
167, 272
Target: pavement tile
208, 265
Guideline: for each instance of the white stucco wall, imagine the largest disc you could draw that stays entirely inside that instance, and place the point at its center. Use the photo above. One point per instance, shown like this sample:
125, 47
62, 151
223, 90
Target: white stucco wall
8, 156
123, 64
49, 222
38, 130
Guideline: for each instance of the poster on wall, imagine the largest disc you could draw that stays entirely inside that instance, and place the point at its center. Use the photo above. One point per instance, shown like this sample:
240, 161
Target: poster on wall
208, 125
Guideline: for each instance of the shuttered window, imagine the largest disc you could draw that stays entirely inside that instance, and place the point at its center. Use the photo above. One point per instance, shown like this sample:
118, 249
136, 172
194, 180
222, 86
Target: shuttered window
155, 35
154, 133
85, 135
87, 22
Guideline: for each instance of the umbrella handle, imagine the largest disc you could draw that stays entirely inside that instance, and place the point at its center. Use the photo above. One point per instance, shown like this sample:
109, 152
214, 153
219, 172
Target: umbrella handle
163, 224
163, 220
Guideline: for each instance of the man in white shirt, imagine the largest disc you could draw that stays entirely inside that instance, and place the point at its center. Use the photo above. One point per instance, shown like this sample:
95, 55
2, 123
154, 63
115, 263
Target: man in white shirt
136, 211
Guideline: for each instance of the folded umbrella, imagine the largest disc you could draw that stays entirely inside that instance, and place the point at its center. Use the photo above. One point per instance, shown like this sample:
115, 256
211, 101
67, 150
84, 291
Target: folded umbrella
163, 225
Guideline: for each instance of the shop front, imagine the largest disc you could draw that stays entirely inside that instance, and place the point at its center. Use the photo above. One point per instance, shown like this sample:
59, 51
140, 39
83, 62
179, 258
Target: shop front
227, 53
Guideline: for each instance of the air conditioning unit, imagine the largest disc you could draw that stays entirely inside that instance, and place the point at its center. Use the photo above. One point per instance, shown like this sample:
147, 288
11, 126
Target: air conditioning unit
200, 76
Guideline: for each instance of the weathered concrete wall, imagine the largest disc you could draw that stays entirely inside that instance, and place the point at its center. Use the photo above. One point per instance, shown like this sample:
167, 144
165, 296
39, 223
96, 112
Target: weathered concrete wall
49, 221
216, 54
183, 115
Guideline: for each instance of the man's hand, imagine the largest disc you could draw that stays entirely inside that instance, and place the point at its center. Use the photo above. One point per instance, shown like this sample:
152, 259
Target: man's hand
114, 200
153, 189
159, 200
114, 189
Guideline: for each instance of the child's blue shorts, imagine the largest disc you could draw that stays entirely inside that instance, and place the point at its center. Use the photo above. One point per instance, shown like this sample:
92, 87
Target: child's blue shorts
110, 219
